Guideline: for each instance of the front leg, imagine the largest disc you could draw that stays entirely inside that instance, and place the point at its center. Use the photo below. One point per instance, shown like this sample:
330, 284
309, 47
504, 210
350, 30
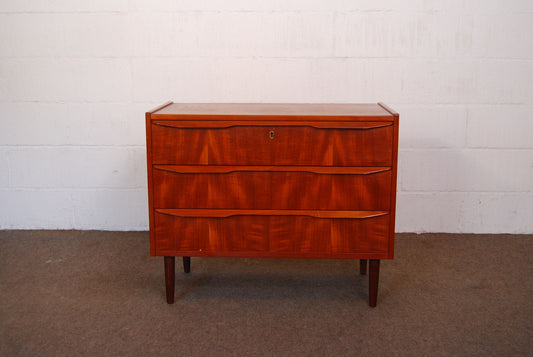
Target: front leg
169, 278
373, 280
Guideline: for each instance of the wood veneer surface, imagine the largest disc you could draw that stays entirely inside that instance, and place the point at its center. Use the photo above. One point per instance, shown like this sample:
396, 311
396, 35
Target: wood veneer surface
209, 111
232, 166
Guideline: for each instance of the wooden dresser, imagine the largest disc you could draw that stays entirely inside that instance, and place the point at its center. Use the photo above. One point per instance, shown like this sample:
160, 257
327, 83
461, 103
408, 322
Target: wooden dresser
272, 180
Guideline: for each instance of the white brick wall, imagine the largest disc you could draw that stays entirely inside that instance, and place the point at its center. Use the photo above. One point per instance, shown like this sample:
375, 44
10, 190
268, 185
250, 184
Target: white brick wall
77, 76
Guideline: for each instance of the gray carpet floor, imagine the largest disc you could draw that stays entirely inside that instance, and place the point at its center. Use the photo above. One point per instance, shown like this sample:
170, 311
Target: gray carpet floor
67, 293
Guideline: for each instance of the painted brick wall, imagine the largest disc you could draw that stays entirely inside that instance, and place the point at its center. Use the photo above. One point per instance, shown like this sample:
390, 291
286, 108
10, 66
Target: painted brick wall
77, 76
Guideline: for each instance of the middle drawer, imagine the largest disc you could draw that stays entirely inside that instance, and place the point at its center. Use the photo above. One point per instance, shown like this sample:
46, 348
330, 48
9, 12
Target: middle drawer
267, 187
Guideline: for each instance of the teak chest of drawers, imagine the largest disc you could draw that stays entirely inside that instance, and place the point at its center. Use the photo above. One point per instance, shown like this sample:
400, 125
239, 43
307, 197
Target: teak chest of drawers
272, 180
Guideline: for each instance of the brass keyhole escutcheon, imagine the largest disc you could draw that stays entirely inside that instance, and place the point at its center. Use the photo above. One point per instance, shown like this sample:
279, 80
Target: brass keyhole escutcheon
271, 134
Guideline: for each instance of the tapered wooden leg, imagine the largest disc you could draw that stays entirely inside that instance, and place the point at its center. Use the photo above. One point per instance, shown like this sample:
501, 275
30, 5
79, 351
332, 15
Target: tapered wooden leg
362, 266
187, 264
373, 280
169, 278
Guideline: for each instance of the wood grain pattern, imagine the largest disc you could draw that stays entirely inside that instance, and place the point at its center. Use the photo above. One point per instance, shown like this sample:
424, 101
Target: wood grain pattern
291, 145
394, 173
272, 111
219, 124
224, 213
149, 171
166, 234
272, 180
253, 188
271, 233
225, 169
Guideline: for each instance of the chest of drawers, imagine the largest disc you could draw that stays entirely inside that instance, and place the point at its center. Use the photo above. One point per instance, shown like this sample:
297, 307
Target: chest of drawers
272, 180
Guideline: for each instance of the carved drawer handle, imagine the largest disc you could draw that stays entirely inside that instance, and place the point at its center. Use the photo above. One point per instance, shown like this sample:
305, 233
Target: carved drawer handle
300, 124
226, 213
221, 169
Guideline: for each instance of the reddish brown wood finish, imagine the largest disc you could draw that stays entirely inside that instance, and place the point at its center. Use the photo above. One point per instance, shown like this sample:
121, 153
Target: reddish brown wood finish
270, 234
254, 189
149, 160
169, 278
272, 111
290, 145
272, 180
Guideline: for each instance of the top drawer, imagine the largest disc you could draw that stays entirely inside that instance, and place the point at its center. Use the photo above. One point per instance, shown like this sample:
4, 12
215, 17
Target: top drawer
314, 143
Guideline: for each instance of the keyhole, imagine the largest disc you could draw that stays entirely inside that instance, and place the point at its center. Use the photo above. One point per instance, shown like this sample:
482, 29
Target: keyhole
271, 134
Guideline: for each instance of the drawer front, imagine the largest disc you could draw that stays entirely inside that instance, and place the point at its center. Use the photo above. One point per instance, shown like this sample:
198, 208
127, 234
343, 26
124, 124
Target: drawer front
272, 234
255, 188
367, 145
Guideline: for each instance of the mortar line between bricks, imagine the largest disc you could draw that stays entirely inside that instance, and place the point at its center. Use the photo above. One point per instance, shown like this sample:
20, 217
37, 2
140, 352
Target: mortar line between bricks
71, 189
501, 193
152, 103
293, 58
463, 149
129, 11
63, 146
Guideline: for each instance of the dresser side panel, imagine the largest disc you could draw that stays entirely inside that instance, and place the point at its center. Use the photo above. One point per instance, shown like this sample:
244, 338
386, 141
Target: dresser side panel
149, 171
393, 191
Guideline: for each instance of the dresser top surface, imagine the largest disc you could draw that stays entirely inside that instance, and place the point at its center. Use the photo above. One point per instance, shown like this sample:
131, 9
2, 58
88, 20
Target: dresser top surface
272, 110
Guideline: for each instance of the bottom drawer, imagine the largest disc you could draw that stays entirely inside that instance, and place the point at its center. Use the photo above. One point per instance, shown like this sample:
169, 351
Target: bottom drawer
273, 233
